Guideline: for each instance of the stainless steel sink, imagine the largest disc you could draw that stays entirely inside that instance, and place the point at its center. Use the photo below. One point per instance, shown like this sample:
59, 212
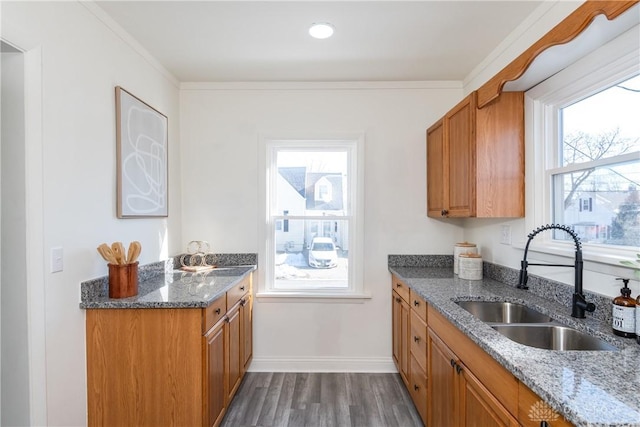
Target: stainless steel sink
552, 337
503, 312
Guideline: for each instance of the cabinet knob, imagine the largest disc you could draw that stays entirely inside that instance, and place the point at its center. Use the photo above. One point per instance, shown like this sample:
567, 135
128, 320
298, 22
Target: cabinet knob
416, 387
218, 310
458, 368
416, 303
243, 302
398, 285
397, 299
242, 288
453, 363
226, 319
444, 212
416, 338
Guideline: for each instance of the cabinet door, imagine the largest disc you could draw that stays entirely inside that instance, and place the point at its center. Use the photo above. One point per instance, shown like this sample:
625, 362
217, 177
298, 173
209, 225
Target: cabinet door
437, 170
460, 133
214, 386
477, 406
232, 358
246, 310
418, 388
401, 331
442, 383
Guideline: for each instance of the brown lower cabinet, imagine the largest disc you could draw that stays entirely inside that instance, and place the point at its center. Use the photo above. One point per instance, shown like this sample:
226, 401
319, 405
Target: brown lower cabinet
451, 380
168, 366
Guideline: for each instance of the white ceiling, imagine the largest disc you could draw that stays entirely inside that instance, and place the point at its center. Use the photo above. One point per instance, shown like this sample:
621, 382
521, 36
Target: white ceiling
227, 41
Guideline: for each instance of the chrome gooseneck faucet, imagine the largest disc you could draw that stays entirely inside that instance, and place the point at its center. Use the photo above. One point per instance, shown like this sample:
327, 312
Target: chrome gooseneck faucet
580, 304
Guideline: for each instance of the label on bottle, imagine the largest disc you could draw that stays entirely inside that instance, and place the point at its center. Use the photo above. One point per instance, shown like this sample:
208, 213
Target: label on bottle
624, 319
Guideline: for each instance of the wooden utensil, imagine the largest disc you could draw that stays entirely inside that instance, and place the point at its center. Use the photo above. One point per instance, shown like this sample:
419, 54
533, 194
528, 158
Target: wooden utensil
105, 251
118, 252
134, 251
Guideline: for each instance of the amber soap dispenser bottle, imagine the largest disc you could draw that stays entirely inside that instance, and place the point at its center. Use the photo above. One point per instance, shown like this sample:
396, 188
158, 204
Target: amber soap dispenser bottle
624, 312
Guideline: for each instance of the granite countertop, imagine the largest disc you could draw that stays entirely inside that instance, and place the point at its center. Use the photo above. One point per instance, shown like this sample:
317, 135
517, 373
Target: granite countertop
589, 388
168, 289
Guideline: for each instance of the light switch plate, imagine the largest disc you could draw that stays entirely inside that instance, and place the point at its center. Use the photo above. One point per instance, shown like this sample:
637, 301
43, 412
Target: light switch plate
56, 259
505, 234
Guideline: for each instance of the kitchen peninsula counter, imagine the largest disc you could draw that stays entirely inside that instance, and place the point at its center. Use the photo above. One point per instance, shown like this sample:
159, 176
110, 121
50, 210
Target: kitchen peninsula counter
586, 387
168, 289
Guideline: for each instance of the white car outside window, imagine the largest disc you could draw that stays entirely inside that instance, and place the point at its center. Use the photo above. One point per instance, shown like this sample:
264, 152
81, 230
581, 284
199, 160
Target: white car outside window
323, 253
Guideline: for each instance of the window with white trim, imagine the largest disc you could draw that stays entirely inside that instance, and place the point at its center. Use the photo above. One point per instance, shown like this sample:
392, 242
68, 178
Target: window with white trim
313, 226
587, 149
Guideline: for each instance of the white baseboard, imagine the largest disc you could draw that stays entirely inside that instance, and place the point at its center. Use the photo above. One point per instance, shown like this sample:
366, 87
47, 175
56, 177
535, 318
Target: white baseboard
323, 364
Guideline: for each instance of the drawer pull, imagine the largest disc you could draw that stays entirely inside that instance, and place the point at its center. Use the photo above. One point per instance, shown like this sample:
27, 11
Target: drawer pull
397, 299
218, 311
416, 303
416, 338
398, 285
416, 387
453, 363
242, 288
458, 368
226, 319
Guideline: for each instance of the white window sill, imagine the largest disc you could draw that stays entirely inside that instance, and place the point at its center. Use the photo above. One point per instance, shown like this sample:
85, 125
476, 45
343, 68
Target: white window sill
293, 296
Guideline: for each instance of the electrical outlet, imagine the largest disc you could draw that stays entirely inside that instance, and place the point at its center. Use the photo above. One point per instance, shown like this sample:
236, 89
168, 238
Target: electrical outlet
56, 260
505, 234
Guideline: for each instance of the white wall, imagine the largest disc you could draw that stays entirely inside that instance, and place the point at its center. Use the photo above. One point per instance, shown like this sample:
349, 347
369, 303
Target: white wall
82, 61
15, 368
220, 146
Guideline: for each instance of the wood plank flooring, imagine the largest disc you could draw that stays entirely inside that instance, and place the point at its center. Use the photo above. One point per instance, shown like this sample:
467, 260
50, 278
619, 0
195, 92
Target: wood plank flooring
321, 399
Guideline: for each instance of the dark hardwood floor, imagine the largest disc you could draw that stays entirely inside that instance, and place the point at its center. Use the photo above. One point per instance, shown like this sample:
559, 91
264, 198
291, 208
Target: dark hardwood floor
321, 399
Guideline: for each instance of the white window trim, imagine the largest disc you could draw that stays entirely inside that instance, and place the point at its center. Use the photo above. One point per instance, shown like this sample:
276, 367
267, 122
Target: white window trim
617, 60
356, 292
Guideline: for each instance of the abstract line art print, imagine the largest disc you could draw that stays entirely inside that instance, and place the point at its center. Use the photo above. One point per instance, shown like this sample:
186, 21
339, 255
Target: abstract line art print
141, 149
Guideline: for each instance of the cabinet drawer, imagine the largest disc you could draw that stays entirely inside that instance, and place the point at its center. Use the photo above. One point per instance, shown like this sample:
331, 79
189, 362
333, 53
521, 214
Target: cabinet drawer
401, 289
237, 292
214, 312
418, 388
531, 410
418, 305
418, 340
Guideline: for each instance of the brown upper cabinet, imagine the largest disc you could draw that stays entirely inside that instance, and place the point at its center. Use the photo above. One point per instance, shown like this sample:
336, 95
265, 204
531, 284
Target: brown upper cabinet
475, 160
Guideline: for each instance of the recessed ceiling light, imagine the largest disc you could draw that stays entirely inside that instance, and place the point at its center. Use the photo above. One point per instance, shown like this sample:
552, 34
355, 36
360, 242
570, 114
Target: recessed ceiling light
321, 30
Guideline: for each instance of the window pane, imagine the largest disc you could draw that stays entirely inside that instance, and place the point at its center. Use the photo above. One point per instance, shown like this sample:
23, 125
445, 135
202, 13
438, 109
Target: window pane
603, 125
313, 254
312, 183
602, 204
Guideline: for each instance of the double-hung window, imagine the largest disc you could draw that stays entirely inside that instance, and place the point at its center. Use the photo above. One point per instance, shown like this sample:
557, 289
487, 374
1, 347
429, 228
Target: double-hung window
313, 226
586, 139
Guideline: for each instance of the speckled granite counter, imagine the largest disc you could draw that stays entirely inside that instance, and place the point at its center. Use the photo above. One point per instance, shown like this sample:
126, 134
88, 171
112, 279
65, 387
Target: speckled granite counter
589, 388
162, 286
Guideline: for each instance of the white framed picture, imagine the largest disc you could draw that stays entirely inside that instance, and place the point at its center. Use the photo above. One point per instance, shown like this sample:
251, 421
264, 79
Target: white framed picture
141, 153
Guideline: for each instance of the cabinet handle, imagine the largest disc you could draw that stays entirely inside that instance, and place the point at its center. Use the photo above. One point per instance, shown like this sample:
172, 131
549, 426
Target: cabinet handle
398, 285
226, 319
416, 303
416, 387
444, 212
453, 363
397, 299
243, 302
416, 338
242, 288
218, 310
458, 368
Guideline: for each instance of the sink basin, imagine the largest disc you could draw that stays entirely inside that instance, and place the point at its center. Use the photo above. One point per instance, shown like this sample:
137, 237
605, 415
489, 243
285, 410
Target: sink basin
552, 337
503, 312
